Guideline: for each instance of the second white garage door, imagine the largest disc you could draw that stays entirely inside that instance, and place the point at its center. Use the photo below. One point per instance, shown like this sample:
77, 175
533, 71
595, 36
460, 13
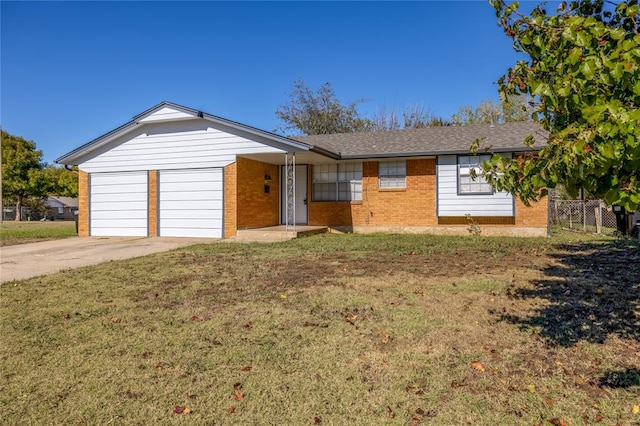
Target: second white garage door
190, 203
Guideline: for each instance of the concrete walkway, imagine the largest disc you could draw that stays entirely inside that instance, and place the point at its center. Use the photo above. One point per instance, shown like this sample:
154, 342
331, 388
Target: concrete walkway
23, 261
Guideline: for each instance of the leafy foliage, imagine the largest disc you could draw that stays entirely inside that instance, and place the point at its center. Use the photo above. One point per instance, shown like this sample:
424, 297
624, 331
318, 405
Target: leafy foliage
26, 178
21, 170
321, 112
61, 181
583, 71
516, 108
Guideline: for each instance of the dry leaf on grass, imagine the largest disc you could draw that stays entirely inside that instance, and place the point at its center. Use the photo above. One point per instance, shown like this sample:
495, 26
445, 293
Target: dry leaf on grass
390, 413
231, 409
635, 409
478, 366
558, 422
238, 395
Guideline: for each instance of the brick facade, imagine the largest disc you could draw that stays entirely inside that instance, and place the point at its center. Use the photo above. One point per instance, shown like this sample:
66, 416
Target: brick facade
153, 203
412, 206
257, 208
230, 225
83, 204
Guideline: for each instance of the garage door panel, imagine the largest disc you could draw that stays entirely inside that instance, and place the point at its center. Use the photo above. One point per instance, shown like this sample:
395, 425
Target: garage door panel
191, 196
191, 203
195, 233
119, 189
185, 186
124, 178
124, 206
120, 223
192, 214
193, 223
196, 176
118, 204
118, 214
118, 232
122, 197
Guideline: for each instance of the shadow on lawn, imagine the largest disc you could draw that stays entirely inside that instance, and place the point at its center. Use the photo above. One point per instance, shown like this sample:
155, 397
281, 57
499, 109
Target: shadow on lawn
592, 290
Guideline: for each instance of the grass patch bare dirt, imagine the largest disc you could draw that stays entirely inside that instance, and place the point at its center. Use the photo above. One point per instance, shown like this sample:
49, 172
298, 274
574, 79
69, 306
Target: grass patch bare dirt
333, 329
12, 233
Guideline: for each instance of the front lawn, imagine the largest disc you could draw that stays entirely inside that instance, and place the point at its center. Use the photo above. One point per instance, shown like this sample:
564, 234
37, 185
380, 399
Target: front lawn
12, 233
335, 330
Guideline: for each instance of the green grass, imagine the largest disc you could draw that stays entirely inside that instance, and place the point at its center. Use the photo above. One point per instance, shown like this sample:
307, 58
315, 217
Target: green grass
332, 329
12, 233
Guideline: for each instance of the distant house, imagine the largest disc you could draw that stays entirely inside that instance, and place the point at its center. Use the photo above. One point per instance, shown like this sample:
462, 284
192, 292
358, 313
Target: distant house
61, 208
177, 171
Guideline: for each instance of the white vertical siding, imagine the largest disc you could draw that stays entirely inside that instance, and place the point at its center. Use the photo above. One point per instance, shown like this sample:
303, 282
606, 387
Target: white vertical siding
452, 204
118, 204
174, 145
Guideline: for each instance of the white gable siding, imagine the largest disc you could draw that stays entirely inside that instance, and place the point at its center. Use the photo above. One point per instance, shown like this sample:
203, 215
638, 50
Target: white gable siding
166, 114
177, 145
452, 204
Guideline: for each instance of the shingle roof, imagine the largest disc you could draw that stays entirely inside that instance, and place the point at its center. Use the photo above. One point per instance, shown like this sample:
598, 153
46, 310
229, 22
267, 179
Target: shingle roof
430, 140
66, 201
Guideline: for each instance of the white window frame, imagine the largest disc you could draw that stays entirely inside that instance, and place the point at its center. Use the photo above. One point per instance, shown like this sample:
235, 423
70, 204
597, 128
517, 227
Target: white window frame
467, 185
337, 182
392, 174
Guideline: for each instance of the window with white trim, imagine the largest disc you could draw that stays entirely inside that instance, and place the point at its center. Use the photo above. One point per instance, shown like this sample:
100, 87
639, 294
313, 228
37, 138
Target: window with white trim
392, 174
470, 178
337, 182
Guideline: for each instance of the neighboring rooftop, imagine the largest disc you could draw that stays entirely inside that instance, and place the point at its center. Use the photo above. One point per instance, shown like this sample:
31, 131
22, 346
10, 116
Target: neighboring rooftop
430, 140
66, 201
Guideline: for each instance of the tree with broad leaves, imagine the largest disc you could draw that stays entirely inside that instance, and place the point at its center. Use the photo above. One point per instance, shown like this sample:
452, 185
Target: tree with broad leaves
26, 178
517, 108
583, 72
320, 112
22, 167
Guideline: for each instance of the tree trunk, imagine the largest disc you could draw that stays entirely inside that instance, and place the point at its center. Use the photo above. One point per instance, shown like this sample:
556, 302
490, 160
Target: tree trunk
18, 208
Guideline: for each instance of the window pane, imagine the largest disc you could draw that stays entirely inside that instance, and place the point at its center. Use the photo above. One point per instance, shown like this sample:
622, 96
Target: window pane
392, 174
337, 182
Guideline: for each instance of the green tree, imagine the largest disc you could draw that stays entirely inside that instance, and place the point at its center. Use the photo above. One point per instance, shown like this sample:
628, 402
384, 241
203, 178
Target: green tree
320, 112
583, 71
22, 170
61, 181
516, 108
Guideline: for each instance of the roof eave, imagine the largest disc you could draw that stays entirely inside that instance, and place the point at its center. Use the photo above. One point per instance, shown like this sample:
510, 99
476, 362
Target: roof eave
432, 153
70, 157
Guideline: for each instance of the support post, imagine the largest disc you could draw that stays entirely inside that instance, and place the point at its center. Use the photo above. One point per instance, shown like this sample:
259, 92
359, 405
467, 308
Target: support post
290, 191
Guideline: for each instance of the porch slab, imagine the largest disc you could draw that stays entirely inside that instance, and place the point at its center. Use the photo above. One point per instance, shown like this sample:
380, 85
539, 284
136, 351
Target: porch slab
276, 233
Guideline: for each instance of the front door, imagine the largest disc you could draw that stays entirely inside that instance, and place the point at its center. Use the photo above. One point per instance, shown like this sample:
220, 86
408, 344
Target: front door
300, 195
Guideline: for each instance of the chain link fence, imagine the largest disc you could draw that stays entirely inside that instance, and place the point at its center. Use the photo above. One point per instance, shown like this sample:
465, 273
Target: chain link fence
584, 216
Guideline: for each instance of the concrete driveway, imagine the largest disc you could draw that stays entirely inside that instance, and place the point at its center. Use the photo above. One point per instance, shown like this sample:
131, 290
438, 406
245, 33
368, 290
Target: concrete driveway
31, 260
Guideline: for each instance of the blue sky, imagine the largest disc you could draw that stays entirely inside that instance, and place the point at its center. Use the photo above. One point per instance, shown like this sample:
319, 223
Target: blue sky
72, 71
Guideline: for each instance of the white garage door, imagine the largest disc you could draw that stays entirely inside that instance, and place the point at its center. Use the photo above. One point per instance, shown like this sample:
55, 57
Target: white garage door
118, 204
191, 203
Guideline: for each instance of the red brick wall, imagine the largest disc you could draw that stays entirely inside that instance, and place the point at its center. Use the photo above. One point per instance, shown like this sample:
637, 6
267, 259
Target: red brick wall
255, 207
83, 204
414, 205
153, 203
230, 200
535, 216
